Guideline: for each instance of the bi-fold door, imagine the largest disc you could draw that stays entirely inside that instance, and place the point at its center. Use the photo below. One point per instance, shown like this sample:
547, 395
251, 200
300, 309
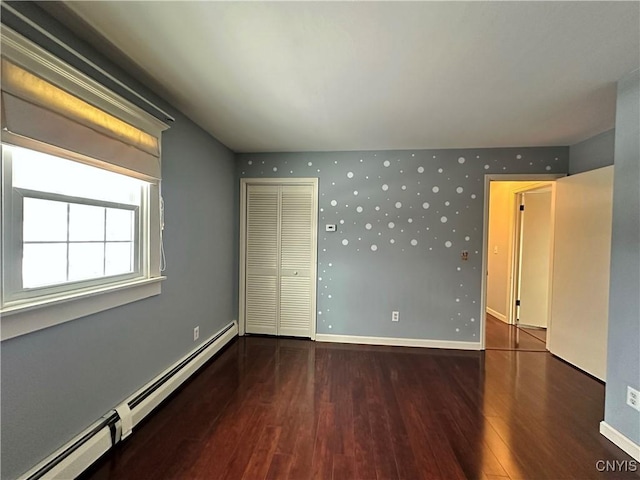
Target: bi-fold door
279, 259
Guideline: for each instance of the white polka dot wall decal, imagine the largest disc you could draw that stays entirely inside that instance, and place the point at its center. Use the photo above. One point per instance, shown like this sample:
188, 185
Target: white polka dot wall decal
345, 242
329, 296
446, 204
249, 162
414, 242
318, 170
374, 248
391, 224
410, 220
401, 171
263, 162
425, 205
518, 157
440, 170
418, 194
461, 160
443, 219
457, 300
385, 187
341, 222
386, 163
275, 169
355, 192
473, 195
368, 226
392, 241
377, 208
530, 163
361, 160
547, 168
322, 209
319, 279
379, 234
448, 244
458, 268
349, 174
459, 190
398, 204
310, 163
319, 312
359, 239
335, 161
404, 187
242, 173
457, 329
486, 167
467, 238
291, 172
413, 154
334, 203
435, 189
420, 169
359, 209
331, 264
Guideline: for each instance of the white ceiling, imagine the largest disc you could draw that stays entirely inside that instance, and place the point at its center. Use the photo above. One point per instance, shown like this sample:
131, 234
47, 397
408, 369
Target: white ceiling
321, 76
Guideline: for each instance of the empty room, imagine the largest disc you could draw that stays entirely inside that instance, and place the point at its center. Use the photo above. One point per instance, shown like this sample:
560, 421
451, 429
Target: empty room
337, 240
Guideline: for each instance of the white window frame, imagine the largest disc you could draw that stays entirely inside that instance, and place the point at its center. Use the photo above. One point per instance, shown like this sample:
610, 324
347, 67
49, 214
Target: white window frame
22, 313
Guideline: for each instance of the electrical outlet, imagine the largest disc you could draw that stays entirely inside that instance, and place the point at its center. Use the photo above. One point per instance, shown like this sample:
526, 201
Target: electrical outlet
633, 398
395, 316
196, 333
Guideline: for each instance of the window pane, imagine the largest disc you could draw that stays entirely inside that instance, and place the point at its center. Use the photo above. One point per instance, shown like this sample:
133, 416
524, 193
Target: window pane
86, 260
120, 224
47, 173
119, 258
44, 220
86, 223
44, 264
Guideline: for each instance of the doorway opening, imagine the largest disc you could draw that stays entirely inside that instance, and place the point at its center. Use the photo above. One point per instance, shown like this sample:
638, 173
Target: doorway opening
517, 261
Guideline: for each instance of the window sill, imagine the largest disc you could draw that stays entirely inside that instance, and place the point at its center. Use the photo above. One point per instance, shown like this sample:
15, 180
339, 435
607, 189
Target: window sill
29, 317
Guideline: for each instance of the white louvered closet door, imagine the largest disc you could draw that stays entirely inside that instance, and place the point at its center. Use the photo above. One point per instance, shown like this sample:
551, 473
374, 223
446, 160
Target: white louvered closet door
279, 259
261, 304
296, 231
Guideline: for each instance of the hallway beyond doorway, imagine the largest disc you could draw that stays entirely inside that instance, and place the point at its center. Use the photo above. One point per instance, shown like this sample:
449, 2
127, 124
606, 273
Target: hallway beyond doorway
502, 336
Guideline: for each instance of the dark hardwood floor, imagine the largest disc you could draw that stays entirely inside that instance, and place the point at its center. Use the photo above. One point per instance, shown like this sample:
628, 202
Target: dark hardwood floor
502, 336
270, 408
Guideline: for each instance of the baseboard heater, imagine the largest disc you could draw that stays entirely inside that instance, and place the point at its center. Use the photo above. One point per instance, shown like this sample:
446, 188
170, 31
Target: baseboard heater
80, 453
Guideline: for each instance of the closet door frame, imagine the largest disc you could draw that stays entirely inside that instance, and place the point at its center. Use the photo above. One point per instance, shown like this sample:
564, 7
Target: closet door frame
244, 183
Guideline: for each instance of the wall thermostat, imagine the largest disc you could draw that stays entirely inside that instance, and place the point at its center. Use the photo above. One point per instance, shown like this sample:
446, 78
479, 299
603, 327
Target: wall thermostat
330, 228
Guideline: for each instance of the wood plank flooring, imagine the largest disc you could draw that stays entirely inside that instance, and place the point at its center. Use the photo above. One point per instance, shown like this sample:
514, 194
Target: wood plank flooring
269, 408
502, 336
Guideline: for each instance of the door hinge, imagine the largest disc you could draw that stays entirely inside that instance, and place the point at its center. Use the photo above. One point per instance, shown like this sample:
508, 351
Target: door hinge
522, 208
517, 303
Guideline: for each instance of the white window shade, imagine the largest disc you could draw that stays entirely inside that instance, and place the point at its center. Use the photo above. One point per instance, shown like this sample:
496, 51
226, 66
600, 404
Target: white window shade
43, 103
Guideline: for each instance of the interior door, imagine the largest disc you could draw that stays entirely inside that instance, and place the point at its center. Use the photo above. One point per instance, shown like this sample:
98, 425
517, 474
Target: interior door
535, 256
280, 259
296, 240
262, 263
581, 262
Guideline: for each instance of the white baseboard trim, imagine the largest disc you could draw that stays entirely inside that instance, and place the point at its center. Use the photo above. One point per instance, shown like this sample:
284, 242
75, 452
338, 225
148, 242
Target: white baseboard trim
618, 439
82, 451
398, 342
498, 315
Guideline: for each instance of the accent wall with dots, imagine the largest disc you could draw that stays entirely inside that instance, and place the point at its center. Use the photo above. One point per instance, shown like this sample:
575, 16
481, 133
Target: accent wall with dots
403, 220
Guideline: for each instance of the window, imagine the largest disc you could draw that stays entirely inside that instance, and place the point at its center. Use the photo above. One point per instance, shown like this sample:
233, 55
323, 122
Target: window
80, 193
73, 225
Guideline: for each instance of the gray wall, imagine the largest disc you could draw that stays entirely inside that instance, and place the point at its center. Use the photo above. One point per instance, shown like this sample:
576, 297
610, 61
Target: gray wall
369, 268
623, 350
55, 382
592, 153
